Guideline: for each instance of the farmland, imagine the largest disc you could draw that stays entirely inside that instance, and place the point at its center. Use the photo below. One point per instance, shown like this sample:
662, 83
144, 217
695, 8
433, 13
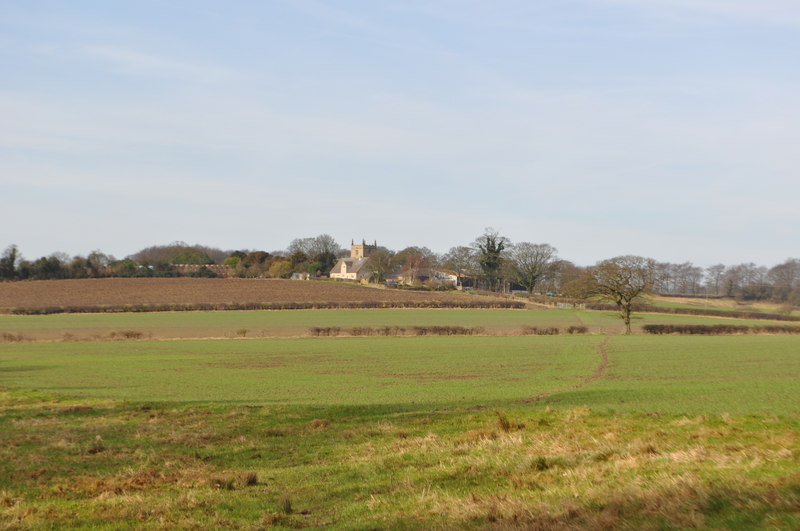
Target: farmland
670, 375
144, 292
227, 324
721, 304
241, 420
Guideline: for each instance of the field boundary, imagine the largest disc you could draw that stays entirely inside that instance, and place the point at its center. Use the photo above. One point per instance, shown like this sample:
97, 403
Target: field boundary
598, 373
649, 308
718, 329
327, 305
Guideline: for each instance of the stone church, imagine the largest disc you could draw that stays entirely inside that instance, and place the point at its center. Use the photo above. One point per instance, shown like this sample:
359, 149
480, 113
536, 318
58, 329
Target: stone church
353, 268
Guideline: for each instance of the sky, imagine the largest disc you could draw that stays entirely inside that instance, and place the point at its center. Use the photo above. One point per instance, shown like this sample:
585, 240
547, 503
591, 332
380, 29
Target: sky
662, 128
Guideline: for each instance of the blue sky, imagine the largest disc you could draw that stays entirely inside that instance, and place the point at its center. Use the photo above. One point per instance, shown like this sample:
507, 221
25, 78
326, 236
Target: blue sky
664, 128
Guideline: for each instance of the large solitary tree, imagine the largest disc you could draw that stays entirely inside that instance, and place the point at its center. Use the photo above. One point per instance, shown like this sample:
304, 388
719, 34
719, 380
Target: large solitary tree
532, 263
489, 247
621, 280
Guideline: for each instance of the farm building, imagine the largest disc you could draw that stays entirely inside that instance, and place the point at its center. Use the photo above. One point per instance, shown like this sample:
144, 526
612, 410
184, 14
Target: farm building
424, 275
189, 269
353, 268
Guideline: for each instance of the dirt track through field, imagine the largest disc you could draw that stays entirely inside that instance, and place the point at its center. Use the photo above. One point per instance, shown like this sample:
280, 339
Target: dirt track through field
597, 374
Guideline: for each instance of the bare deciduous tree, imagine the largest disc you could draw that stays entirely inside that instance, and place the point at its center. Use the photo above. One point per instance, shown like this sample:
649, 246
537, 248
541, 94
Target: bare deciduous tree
532, 263
379, 264
462, 260
621, 280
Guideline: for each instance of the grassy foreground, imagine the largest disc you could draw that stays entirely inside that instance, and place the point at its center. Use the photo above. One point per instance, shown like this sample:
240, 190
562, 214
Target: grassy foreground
587, 432
109, 464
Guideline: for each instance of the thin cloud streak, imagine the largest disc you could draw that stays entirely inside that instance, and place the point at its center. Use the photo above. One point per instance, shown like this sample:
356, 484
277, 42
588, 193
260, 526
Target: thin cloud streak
137, 63
775, 12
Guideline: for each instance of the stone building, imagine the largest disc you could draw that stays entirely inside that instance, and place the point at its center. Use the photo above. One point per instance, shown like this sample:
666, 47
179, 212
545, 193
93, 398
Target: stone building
353, 268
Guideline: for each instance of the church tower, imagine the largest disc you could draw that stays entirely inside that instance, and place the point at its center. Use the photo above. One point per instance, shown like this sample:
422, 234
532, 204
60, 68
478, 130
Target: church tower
362, 251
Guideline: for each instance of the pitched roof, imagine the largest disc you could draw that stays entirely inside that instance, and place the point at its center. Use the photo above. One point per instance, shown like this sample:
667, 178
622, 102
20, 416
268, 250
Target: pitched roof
354, 265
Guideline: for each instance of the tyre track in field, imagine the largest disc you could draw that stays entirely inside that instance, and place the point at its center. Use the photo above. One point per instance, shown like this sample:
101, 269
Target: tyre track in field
599, 371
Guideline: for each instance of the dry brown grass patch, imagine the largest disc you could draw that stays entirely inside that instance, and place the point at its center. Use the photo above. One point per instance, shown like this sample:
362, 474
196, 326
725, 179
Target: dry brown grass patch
122, 483
319, 424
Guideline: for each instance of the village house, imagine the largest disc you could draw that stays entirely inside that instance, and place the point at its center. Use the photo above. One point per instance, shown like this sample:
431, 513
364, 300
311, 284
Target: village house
353, 268
440, 277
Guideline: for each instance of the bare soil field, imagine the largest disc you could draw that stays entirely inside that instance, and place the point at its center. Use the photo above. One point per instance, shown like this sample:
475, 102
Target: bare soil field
144, 292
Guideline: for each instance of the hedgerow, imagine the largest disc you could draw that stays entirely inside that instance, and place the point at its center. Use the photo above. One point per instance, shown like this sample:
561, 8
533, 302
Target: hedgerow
718, 329
330, 305
329, 331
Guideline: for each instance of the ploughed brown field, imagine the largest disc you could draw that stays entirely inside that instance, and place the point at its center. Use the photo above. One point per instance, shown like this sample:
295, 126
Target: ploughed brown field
118, 292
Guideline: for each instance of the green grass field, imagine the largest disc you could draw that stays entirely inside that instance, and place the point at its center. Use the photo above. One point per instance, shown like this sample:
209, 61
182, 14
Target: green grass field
168, 325
670, 374
557, 432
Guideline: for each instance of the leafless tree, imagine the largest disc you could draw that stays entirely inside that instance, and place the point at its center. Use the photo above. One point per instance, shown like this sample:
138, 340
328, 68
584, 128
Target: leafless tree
379, 264
714, 278
414, 266
785, 280
461, 260
621, 280
532, 263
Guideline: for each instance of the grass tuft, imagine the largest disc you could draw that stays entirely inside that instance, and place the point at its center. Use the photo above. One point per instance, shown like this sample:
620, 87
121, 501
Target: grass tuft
540, 463
250, 479
286, 505
319, 424
502, 422
222, 483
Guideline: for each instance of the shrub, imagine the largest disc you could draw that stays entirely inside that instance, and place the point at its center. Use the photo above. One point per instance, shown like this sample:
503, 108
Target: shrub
536, 331
395, 331
127, 334
577, 330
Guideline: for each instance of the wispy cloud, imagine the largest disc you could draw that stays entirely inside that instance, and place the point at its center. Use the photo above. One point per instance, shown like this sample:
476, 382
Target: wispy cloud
137, 63
778, 12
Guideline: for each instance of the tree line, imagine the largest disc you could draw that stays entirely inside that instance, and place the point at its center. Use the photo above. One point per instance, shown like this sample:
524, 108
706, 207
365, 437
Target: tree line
491, 261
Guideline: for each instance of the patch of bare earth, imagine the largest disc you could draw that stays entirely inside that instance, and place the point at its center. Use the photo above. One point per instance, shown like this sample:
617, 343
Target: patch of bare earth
114, 292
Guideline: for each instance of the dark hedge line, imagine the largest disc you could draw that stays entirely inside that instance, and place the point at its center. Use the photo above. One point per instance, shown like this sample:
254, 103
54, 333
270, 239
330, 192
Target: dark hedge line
719, 329
331, 331
133, 308
553, 330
